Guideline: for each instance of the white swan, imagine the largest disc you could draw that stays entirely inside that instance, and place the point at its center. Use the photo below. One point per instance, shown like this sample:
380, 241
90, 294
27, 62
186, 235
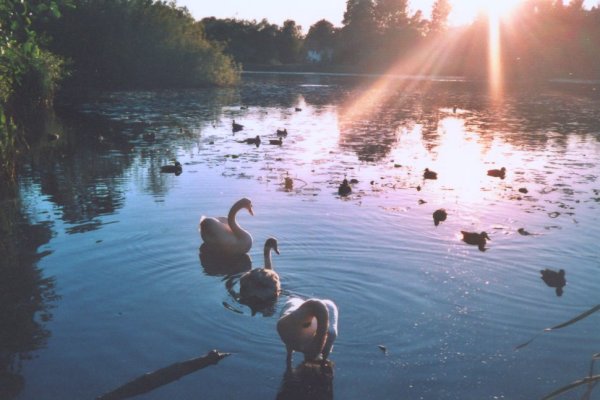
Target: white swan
224, 234
308, 326
262, 284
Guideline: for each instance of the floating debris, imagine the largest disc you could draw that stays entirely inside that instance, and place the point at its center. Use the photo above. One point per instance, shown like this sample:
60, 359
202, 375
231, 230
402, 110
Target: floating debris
383, 348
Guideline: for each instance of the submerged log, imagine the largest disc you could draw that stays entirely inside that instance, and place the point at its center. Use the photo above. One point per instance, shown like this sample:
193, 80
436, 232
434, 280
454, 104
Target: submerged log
160, 377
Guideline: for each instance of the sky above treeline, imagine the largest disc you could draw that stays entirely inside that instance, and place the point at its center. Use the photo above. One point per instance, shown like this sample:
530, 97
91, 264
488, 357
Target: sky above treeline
307, 12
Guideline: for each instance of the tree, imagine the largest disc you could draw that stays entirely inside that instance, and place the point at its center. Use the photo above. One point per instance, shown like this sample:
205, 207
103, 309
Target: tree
290, 42
439, 16
321, 36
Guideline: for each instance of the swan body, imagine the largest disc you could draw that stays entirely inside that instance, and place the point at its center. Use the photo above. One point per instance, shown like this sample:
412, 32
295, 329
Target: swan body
308, 326
224, 234
262, 284
475, 238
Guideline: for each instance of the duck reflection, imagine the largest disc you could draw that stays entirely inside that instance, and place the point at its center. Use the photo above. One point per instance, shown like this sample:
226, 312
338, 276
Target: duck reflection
308, 381
215, 263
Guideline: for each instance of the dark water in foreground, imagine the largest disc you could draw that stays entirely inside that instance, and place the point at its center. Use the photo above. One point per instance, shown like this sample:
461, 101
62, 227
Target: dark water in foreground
102, 279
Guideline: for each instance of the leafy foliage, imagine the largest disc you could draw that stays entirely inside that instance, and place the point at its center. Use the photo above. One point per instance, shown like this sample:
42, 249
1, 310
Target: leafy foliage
138, 43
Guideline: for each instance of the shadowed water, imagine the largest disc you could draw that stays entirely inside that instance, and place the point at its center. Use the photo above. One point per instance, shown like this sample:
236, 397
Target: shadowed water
130, 292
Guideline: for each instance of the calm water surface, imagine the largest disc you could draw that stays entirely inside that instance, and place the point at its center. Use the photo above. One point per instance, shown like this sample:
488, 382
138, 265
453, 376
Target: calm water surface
111, 285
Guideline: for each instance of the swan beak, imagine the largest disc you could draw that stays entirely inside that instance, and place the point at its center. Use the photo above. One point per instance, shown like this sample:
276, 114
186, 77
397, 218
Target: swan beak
250, 210
276, 250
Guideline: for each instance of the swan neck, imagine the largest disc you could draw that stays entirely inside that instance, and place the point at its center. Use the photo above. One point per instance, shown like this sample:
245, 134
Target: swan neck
231, 218
317, 309
268, 262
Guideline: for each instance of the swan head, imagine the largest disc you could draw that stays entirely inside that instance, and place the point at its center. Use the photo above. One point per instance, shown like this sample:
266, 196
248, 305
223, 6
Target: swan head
247, 204
271, 244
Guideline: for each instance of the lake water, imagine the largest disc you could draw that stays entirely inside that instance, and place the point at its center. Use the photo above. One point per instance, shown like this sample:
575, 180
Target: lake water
102, 280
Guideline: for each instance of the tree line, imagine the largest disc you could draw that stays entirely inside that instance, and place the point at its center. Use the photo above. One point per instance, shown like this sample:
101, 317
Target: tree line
542, 39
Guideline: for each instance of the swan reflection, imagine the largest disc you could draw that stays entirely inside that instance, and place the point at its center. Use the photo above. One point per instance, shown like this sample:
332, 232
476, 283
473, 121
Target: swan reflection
215, 263
308, 381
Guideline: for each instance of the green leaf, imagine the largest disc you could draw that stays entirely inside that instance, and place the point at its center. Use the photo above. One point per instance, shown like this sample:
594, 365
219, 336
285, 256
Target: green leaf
55, 10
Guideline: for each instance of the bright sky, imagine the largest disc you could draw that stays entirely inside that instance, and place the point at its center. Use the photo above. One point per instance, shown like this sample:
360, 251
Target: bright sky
307, 12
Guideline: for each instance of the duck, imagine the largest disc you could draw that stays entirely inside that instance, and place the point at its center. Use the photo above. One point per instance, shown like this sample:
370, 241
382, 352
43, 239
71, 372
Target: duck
254, 140
429, 174
278, 141
497, 173
308, 326
345, 189
262, 284
174, 168
236, 127
555, 279
224, 234
298, 109
439, 216
282, 132
475, 238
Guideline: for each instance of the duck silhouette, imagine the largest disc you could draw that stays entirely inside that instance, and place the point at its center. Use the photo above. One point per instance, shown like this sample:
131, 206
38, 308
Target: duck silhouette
278, 141
429, 174
555, 279
254, 140
439, 216
475, 238
174, 168
235, 127
345, 189
282, 132
497, 173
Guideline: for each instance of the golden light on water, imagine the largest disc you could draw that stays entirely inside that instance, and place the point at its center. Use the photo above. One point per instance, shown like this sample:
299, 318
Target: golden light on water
494, 57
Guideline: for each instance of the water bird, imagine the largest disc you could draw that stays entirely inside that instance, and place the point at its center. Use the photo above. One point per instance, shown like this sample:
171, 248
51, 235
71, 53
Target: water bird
429, 174
555, 279
497, 173
298, 109
262, 284
439, 216
235, 127
225, 234
254, 140
278, 141
523, 190
282, 132
475, 238
345, 189
308, 326
174, 168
